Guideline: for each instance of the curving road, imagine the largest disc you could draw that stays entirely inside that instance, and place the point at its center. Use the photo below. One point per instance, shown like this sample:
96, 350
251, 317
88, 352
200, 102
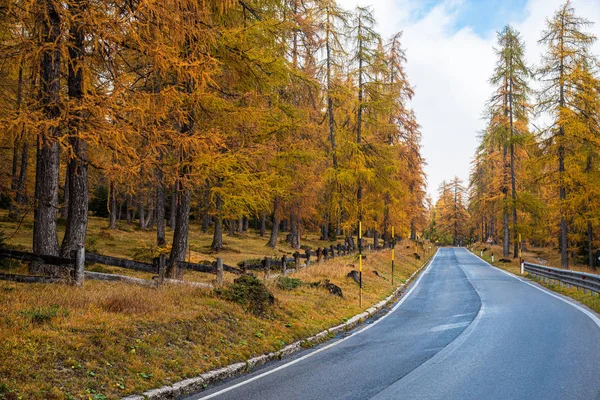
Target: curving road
465, 330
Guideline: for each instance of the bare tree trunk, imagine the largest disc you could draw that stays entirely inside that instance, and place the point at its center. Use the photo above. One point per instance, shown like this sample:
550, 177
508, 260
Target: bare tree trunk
590, 239
45, 240
141, 211
128, 209
64, 209
240, 225
295, 227
21, 197
245, 223
173, 211
14, 208
77, 219
263, 224
180, 233
217, 243
113, 206
375, 239
160, 204
275, 220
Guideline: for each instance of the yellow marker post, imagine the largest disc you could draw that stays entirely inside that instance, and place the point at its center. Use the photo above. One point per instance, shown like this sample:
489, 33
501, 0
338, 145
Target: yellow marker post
521, 255
393, 239
360, 262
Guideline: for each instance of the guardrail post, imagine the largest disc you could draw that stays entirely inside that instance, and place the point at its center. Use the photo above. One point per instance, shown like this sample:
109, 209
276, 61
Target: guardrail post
79, 266
219, 271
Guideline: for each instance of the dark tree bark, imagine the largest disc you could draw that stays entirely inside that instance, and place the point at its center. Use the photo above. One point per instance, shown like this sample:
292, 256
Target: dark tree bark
173, 211
14, 210
45, 240
64, 207
375, 239
275, 220
114, 210
180, 233
77, 219
240, 225
295, 227
231, 226
141, 211
590, 240
263, 224
160, 204
217, 243
245, 223
128, 209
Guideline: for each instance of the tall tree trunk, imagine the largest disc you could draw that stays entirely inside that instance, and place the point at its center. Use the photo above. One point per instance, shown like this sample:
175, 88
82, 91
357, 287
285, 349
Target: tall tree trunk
113, 206
375, 239
45, 239
14, 209
231, 225
295, 227
263, 224
128, 209
240, 225
245, 223
21, 198
64, 209
141, 211
173, 211
77, 219
217, 243
275, 220
160, 204
590, 240
180, 233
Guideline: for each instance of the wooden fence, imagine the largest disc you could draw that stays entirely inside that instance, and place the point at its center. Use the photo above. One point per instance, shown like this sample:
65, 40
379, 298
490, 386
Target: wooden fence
76, 266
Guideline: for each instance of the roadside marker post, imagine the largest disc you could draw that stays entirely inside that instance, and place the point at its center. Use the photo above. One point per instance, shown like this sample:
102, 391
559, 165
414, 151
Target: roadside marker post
393, 245
360, 262
521, 261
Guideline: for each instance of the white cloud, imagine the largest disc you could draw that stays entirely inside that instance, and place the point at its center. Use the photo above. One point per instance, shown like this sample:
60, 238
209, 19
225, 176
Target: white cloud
451, 68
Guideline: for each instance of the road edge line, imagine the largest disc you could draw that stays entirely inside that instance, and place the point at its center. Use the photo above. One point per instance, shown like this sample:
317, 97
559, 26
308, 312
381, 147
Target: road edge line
195, 385
570, 301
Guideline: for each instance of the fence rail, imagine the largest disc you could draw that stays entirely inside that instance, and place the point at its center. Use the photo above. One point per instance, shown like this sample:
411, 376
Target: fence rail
566, 277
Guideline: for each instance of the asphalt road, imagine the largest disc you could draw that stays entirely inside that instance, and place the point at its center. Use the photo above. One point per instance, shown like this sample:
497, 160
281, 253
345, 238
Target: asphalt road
465, 330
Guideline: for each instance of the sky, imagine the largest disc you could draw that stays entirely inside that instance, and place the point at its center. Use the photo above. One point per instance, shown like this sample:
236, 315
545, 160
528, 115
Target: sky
449, 46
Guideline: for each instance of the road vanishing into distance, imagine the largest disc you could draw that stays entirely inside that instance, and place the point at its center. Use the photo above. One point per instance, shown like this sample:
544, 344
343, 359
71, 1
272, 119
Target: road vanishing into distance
464, 330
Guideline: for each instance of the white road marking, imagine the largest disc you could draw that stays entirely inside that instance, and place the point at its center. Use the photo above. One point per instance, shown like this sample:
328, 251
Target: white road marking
590, 314
446, 327
329, 346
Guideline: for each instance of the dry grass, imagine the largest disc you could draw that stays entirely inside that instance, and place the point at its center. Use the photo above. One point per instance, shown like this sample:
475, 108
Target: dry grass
132, 243
108, 340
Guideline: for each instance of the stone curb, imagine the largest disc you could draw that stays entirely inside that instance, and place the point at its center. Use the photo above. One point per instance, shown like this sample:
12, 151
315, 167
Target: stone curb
195, 385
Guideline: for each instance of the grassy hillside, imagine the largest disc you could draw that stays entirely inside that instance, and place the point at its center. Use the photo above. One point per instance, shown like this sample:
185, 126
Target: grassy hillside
108, 340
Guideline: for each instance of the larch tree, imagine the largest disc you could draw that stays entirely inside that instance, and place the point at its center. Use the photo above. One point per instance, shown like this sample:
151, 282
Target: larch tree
566, 42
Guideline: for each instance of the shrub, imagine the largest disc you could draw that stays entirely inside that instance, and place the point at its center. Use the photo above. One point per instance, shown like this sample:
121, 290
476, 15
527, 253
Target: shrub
42, 315
251, 293
91, 244
286, 283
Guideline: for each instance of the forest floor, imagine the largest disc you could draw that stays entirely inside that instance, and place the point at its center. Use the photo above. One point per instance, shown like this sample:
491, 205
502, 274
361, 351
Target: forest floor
108, 340
542, 256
